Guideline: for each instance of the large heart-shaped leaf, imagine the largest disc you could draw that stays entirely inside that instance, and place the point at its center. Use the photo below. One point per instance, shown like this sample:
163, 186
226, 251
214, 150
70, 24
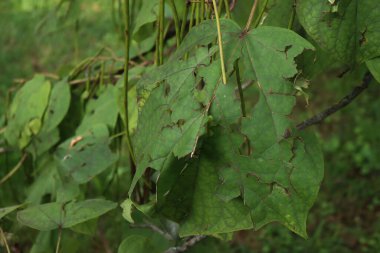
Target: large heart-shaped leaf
260, 187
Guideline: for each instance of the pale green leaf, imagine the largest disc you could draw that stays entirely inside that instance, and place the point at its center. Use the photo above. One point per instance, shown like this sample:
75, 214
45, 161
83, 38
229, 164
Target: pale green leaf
374, 67
271, 52
59, 102
63, 215
26, 111
102, 110
7, 210
127, 207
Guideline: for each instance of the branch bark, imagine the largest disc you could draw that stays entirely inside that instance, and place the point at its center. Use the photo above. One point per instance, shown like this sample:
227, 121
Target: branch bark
186, 245
320, 117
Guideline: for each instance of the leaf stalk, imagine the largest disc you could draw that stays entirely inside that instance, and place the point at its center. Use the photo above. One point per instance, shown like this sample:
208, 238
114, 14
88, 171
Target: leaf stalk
220, 43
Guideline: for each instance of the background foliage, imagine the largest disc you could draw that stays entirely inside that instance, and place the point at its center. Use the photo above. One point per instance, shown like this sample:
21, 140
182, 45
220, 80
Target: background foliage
52, 37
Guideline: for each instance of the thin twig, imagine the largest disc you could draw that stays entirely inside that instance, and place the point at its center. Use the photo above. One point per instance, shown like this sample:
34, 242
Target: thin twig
251, 16
4, 239
338, 106
261, 14
186, 245
232, 5
2, 150
155, 229
126, 76
14, 170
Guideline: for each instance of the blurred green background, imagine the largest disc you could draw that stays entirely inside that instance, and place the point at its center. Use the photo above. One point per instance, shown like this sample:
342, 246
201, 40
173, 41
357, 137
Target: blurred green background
52, 36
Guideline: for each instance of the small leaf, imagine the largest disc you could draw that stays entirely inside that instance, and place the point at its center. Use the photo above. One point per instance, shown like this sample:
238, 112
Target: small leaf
59, 215
127, 207
374, 67
86, 158
59, 102
6, 210
144, 241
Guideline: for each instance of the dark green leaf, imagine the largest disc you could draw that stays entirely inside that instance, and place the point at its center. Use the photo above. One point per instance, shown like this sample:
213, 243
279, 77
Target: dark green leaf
348, 29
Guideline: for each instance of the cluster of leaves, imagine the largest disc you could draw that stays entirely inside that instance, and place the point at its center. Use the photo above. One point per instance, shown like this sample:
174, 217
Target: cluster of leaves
204, 162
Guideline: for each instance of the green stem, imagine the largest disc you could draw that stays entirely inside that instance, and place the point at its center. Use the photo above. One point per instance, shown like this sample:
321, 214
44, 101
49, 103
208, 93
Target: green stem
14, 170
292, 17
197, 14
220, 7
220, 43
241, 94
59, 240
4, 239
257, 23
126, 78
176, 22
192, 15
202, 10
208, 12
184, 21
161, 31
227, 6
101, 81
157, 52
251, 16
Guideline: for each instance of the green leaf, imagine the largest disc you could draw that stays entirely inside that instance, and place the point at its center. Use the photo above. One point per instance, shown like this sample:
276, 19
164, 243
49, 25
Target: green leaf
198, 209
272, 60
45, 182
147, 14
43, 142
206, 33
280, 184
85, 156
259, 188
103, 110
144, 241
347, 29
127, 207
177, 115
48, 181
59, 103
132, 105
7, 210
87, 227
43, 243
26, 111
60, 215
374, 67
276, 12
178, 102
